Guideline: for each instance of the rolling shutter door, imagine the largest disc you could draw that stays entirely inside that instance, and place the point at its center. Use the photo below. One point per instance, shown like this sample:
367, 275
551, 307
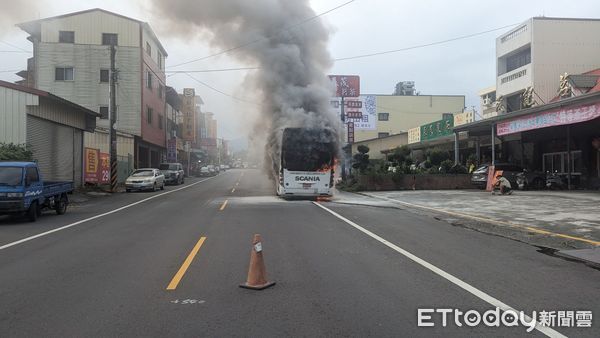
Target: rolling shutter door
53, 148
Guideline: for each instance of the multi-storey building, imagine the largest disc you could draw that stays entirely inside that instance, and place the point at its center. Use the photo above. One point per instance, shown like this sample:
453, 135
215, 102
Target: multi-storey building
537, 52
72, 59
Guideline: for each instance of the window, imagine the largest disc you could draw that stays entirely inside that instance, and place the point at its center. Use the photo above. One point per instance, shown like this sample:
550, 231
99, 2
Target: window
148, 49
161, 90
104, 75
160, 122
518, 60
149, 115
66, 36
383, 116
31, 175
149, 80
110, 39
104, 112
380, 135
63, 74
160, 61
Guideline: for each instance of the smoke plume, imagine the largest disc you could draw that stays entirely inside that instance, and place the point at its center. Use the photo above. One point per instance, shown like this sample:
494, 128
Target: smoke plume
14, 12
293, 60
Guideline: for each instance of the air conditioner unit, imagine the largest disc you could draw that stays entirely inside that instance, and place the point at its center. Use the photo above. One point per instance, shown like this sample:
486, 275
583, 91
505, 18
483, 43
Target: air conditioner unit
487, 101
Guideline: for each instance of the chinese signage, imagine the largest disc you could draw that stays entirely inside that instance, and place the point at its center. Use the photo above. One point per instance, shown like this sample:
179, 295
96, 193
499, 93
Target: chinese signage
346, 85
91, 164
555, 117
104, 170
360, 110
96, 166
437, 129
464, 118
350, 132
414, 135
172, 150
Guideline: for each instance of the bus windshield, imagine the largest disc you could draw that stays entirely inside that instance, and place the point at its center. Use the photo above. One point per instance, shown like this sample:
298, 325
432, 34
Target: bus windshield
307, 149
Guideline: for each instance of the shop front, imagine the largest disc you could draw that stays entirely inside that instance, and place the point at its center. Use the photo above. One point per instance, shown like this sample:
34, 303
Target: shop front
561, 137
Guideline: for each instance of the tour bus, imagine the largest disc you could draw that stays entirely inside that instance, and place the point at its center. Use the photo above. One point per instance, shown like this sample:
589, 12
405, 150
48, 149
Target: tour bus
307, 162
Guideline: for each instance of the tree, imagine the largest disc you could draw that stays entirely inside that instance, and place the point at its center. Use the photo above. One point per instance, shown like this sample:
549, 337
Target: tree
361, 160
437, 156
15, 152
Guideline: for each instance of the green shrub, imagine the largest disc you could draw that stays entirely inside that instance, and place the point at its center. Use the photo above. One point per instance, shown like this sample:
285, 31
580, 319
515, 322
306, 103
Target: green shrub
437, 156
445, 166
15, 152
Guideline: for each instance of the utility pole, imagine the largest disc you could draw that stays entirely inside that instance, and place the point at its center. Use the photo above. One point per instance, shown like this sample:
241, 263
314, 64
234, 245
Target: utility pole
113, 120
343, 118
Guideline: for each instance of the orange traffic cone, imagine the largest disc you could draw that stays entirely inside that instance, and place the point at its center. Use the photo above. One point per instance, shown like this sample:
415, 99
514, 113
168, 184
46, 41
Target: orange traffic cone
257, 273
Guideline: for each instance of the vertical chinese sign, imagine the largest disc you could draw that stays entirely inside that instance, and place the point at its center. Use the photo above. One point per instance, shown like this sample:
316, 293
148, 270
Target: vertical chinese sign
91, 165
104, 176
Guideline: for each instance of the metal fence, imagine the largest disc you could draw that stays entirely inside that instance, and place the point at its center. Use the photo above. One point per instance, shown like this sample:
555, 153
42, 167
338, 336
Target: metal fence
124, 167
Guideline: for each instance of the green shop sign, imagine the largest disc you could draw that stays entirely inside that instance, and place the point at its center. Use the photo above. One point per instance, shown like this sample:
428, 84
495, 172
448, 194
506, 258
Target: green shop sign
437, 129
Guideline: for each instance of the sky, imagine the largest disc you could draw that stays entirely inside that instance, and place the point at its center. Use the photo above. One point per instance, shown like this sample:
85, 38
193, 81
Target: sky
461, 67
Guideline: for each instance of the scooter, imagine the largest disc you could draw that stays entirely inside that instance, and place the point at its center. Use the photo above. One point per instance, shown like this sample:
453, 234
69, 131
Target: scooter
555, 181
522, 181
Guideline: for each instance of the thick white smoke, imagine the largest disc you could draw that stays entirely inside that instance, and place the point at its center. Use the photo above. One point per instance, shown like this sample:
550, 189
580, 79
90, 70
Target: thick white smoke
293, 59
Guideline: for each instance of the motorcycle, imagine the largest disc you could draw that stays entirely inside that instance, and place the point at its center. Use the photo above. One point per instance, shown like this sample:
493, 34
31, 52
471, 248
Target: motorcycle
555, 181
522, 182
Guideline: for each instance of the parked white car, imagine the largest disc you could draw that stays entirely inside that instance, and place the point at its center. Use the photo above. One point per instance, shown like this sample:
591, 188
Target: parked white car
145, 179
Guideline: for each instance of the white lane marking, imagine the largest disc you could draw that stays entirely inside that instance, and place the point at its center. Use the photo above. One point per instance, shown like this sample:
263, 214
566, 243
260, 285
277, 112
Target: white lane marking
454, 280
98, 216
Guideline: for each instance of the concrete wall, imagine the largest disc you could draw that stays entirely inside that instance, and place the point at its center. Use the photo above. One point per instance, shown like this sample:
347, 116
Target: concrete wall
385, 143
88, 28
407, 112
13, 115
559, 46
86, 88
100, 140
418, 182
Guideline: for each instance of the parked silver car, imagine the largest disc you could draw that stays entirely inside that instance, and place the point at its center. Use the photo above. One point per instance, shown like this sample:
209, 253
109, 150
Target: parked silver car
173, 173
145, 179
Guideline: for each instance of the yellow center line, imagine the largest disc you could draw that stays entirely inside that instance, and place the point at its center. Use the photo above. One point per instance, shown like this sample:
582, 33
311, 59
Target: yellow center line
223, 205
186, 264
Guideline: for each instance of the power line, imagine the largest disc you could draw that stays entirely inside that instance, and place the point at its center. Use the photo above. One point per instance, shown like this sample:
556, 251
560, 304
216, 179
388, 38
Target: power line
424, 45
263, 38
220, 91
210, 70
14, 46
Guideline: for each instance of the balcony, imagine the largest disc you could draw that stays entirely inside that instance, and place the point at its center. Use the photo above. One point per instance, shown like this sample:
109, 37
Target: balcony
513, 81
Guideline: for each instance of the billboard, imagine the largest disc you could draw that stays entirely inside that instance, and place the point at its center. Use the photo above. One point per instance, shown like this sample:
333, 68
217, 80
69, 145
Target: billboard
437, 129
414, 135
104, 169
346, 85
91, 165
172, 150
350, 132
555, 117
361, 110
464, 118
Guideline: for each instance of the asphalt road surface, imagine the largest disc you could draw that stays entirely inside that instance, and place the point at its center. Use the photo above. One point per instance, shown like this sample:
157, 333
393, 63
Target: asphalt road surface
341, 270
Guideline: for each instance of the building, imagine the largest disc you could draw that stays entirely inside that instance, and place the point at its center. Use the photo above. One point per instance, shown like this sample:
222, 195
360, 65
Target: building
381, 146
188, 109
71, 58
562, 136
374, 116
51, 126
534, 55
487, 101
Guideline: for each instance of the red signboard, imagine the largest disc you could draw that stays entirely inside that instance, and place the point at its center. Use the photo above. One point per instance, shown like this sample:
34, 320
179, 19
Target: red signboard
104, 169
346, 85
354, 115
350, 132
555, 117
91, 164
208, 142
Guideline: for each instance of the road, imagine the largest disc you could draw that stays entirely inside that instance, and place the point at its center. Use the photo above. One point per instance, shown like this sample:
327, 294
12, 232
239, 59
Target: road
341, 270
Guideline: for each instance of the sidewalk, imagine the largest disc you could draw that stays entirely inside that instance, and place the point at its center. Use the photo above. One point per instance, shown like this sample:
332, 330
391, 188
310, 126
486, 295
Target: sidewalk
557, 220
